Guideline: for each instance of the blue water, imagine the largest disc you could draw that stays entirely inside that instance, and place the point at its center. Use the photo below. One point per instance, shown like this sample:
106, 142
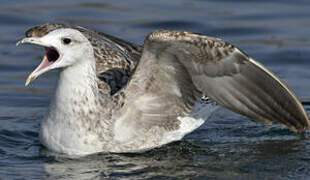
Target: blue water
228, 146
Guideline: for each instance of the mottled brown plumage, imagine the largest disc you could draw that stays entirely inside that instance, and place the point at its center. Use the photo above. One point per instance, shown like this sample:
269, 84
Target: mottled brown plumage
96, 108
211, 62
116, 59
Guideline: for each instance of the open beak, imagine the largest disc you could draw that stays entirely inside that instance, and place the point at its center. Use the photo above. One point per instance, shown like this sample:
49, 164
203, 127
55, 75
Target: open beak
50, 57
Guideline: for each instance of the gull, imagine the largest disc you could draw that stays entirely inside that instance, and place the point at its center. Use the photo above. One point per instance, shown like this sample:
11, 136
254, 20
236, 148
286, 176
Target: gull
114, 96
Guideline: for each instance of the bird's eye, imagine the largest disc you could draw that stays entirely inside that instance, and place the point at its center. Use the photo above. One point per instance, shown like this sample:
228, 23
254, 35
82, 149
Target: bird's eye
66, 41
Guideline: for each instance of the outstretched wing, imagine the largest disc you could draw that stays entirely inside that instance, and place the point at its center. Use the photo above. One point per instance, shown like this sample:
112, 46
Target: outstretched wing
176, 66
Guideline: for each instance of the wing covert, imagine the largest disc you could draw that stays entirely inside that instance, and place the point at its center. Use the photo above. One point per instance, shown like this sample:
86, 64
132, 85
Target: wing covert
220, 71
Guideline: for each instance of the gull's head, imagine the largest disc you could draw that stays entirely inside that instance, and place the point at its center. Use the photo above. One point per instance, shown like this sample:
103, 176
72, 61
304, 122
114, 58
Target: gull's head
64, 47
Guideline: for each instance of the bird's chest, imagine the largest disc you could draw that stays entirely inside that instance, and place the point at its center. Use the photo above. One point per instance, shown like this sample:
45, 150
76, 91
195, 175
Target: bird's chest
72, 128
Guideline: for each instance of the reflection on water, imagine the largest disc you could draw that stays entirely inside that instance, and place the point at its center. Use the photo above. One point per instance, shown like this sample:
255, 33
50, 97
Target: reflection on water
159, 162
183, 159
228, 146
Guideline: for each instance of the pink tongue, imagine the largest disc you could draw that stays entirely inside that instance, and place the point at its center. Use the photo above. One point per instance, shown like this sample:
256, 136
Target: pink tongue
44, 63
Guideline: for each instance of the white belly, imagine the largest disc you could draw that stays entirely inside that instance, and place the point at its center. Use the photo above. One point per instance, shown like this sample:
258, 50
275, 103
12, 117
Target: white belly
200, 114
71, 140
67, 136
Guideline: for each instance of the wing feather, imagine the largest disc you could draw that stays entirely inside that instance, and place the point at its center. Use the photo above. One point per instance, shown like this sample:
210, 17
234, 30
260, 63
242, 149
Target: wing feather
194, 62
116, 59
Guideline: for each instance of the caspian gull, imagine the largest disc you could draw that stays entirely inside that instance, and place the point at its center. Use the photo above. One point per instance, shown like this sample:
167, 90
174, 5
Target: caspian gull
112, 96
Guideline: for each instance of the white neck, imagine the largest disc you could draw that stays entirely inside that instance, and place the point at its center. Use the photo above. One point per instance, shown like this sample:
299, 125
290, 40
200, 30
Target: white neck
76, 84
73, 113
